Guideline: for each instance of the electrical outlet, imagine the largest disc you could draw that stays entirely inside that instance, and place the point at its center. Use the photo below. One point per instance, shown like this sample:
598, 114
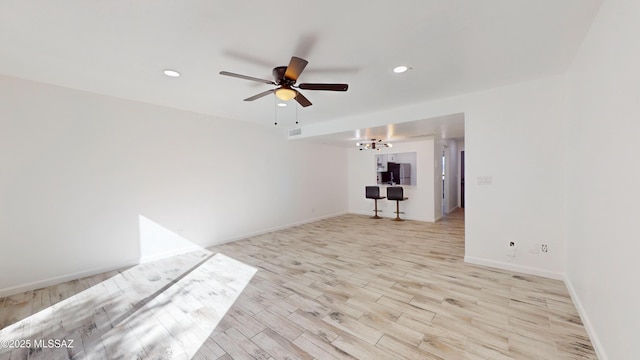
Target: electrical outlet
544, 248
512, 249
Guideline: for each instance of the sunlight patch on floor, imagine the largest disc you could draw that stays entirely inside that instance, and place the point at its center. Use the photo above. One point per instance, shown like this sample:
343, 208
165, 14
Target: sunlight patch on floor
160, 309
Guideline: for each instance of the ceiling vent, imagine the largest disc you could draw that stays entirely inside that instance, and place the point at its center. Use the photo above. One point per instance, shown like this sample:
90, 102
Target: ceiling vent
295, 132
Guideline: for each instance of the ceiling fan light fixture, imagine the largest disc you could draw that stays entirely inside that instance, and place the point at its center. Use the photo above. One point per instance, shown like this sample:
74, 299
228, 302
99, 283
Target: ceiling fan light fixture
285, 94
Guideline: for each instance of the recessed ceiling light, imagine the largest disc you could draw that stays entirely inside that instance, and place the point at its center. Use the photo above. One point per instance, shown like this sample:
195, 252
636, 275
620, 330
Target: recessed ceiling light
282, 104
400, 69
171, 73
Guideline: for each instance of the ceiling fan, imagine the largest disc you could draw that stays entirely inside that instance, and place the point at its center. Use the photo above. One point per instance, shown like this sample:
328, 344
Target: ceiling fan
285, 78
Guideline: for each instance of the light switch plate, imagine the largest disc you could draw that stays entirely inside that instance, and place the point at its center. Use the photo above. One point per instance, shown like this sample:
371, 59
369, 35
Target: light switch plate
485, 180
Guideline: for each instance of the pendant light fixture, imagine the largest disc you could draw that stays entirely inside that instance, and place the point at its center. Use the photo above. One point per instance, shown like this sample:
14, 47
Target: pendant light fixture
373, 145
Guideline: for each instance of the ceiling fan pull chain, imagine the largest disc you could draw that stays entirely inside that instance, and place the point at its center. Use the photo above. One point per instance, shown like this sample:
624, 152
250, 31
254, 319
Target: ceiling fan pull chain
275, 110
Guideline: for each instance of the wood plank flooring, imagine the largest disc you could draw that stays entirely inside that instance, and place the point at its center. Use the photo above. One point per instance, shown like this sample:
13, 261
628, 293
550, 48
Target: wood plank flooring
348, 287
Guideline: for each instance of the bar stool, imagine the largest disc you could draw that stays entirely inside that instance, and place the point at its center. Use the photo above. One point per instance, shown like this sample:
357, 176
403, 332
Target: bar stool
396, 193
373, 192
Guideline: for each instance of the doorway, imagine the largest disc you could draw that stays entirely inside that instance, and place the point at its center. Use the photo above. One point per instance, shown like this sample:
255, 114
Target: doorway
462, 179
444, 173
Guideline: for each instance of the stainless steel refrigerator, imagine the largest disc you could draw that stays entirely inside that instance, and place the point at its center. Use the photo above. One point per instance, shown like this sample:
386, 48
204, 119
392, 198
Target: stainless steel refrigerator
400, 173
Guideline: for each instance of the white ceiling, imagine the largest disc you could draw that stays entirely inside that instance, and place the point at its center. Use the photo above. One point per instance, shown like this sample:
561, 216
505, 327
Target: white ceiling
120, 48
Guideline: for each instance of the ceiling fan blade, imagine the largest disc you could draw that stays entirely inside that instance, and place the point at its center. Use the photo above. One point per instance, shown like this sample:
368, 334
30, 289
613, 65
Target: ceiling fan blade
296, 65
302, 100
329, 87
258, 96
247, 77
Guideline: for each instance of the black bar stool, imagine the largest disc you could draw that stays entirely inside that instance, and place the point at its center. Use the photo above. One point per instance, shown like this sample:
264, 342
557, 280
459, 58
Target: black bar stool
396, 193
373, 192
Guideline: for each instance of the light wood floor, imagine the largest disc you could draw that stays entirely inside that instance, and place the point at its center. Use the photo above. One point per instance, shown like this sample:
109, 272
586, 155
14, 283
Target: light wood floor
341, 288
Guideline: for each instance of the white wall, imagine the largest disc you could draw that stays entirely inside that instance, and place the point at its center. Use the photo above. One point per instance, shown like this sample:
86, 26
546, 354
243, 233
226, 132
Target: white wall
603, 172
78, 171
362, 172
514, 137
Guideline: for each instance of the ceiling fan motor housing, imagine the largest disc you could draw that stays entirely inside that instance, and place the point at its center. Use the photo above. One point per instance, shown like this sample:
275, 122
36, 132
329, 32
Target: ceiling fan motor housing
278, 75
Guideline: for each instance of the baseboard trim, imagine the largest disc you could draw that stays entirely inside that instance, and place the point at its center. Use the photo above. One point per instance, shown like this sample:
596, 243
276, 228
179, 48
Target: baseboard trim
64, 278
452, 209
514, 267
593, 335
170, 253
272, 229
